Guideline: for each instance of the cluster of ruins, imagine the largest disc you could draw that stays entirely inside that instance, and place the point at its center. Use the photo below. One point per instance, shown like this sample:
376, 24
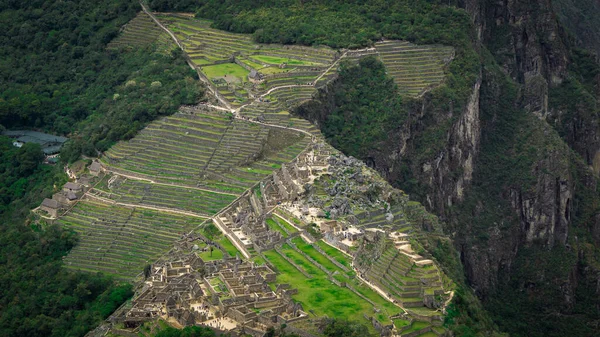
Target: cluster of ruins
71, 192
244, 220
228, 294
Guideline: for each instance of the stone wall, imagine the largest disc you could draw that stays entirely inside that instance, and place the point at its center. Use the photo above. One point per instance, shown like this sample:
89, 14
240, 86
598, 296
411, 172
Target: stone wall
300, 269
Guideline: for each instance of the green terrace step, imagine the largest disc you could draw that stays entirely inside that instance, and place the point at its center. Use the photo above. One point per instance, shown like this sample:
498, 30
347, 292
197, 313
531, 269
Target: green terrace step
414, 68
121, 240
139, 31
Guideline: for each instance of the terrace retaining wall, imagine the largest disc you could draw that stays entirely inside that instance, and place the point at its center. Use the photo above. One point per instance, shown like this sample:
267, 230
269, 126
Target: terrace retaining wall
334, 261
242, 64
300, 269
291, 74
310, 259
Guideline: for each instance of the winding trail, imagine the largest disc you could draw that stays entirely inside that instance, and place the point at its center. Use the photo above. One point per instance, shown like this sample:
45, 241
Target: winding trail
201, 75
333, 65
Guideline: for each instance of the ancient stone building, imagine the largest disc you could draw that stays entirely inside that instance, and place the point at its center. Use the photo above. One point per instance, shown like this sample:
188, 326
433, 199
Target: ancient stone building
50, 206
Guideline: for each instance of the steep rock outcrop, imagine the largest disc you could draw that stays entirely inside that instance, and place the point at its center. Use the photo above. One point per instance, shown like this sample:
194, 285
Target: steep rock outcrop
444, 174
528, 40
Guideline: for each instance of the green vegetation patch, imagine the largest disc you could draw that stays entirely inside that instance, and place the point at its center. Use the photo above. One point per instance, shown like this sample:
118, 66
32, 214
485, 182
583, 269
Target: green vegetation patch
225, 70
285, 224
321, 295
335, 253
274, 226
318, 294
279, 60
211, 255
309, 250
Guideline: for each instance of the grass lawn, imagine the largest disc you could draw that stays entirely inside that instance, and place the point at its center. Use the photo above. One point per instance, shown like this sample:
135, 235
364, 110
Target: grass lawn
285, 224
318, 293
416, 326
252, 64
201, 61
229, 247
309, 250
400, 323
223, 240
217, 254
428, 334
301, 261
229, 69
336, 254
258, 260
279, 60
274, 226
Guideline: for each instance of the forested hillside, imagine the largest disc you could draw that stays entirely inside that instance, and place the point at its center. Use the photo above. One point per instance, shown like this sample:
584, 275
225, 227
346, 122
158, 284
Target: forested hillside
56, 75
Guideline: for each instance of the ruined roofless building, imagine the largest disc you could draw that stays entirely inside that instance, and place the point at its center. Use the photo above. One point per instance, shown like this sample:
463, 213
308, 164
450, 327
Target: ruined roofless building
95, 168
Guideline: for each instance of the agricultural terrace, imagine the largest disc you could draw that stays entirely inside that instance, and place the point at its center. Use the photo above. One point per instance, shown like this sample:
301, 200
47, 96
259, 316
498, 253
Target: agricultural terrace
281, 60
138, 32
274, 113
277, 224
333, 260
317, 291
207, 150
407, 282
229, 72
415, 68
140, 192
119, 241
227, 60
377, 219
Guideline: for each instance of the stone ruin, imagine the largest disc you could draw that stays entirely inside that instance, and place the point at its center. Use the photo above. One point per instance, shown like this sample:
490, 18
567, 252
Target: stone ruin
230, 294
71, 192
244, 220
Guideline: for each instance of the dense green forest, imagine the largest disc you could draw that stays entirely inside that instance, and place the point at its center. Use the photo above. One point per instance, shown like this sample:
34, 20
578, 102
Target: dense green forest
368, 108
37, 296
57, 76
330, 22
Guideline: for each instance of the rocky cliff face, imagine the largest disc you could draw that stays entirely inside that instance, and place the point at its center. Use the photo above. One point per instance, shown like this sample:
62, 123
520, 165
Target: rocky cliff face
581, 18
528, 40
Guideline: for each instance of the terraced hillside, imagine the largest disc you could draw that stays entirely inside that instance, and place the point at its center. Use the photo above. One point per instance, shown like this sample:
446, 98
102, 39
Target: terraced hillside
209, 151
120, 240
178, 172
409, 279
415, 68
273, 113
242, 70
140, 192
326, 286
378, 219
406, 281
140, 31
